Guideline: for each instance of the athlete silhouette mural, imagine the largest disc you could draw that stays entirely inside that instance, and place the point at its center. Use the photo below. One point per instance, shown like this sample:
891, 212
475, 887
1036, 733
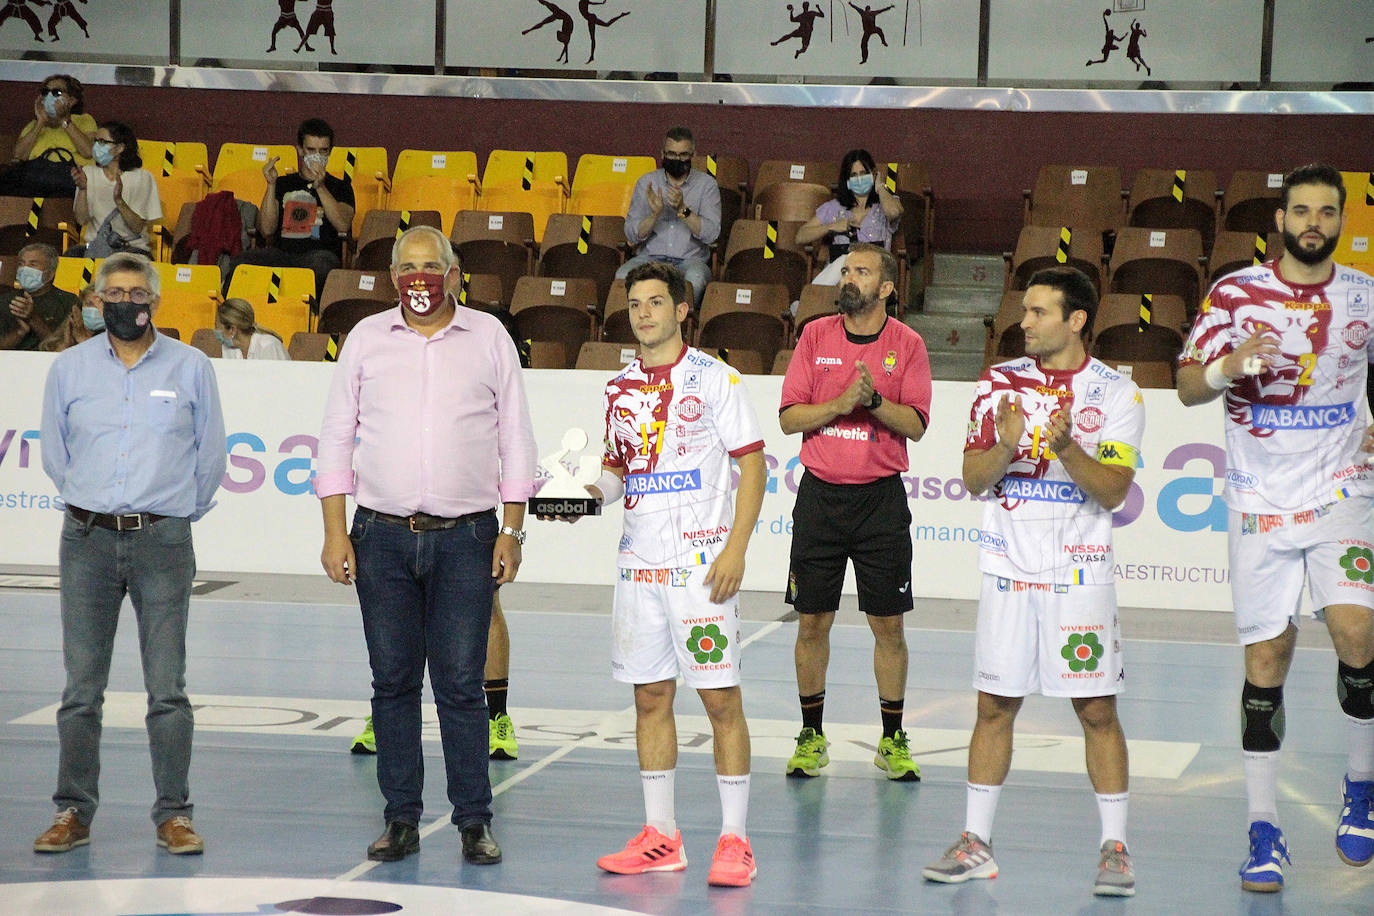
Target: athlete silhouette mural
65, 9
565, 27
19, 9
564, 20
1110, 42
869, 18
806, 24
286, 19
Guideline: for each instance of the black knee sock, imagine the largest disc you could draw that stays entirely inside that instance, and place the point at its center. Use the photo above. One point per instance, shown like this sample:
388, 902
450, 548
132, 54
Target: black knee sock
496, 696
813, 710
892, 715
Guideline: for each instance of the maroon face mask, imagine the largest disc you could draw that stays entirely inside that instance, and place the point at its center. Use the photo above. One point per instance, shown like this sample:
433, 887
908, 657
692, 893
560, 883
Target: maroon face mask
421, 293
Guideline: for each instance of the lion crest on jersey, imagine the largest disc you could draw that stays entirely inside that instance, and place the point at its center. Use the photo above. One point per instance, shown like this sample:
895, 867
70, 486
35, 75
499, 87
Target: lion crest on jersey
1302, 334
637, 418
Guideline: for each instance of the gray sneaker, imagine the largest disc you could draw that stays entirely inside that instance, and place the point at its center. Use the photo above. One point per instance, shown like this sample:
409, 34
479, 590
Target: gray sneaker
969, 858
1115, 877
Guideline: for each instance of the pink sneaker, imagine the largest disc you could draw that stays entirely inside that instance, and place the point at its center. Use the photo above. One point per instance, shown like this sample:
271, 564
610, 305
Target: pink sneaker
733, 864
650, 851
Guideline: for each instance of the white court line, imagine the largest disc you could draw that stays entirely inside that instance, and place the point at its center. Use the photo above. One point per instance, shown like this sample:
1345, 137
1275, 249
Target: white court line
438, 823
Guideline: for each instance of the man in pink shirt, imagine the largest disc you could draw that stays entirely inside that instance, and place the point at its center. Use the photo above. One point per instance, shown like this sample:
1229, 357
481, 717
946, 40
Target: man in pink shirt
428, 428
857, 389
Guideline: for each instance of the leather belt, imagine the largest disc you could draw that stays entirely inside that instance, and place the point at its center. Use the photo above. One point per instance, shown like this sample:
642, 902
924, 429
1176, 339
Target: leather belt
131, 521
421, 521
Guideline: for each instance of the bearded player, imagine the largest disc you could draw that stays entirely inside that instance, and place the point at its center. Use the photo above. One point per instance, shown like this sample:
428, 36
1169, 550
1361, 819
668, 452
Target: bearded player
1287, 346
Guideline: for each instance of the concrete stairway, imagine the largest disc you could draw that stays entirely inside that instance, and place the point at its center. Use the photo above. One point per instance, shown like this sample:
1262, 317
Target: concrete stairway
965, 289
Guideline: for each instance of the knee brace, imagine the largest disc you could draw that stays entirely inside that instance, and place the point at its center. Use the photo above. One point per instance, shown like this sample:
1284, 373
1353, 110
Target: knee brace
1355, 688
1261, 717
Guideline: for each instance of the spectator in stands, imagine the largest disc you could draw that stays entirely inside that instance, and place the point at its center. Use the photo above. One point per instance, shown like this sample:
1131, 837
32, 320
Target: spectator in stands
32, 310
116, 198
242, 337
863, 210
675, 215
304, 215
86, 319
59, 122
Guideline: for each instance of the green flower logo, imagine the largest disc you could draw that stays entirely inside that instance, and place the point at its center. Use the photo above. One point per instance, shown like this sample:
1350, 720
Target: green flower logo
1082, 651
707, 644
1358, 564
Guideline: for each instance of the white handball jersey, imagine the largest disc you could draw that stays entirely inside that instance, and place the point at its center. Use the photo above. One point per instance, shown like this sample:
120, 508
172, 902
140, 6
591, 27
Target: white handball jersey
1292, 433
673, 430
1038, 525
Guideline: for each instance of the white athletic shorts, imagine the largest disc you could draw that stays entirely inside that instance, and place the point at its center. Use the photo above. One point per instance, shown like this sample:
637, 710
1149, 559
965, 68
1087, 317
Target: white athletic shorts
1058, 640
1333, 546
663, 624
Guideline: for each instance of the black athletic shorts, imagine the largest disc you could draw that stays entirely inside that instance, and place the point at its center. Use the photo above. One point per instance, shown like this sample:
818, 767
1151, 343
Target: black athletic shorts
869, 523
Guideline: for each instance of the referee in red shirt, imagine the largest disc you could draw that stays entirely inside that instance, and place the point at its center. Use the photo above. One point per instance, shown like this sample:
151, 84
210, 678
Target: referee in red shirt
857, 388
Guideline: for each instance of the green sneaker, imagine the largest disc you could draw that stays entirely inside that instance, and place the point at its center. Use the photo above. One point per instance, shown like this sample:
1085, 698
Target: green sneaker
366, 742
811, 754
894, 757
501, 739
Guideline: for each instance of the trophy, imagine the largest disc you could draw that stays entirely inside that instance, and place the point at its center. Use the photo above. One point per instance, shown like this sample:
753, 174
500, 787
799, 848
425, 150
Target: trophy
565, 493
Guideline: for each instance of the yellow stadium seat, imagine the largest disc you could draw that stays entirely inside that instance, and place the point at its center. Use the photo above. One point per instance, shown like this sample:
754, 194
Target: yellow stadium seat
74, 274
453, 163
1355, 246
604, 199
365, 167
446, 193
596, 169
541, 201
239, 157
163, 157
189, 295
280, 296
174, 191
522, 168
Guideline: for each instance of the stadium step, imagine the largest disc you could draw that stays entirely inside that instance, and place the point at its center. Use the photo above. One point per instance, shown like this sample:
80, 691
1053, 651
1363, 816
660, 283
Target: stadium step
981, 270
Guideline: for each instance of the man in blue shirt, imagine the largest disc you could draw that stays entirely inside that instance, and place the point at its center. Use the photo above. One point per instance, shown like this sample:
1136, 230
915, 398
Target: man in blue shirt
674, 215
133, 438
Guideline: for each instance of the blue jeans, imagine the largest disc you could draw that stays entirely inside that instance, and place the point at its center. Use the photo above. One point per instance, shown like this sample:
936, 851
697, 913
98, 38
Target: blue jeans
696, 272
426, 596
155, 567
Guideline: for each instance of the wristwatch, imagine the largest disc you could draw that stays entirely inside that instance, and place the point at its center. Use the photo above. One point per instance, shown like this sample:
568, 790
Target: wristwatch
684, 212
515, 533
875, 402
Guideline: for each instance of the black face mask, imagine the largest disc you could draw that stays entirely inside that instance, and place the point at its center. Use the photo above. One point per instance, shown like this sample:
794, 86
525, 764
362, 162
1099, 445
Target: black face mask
677, 168
128, 320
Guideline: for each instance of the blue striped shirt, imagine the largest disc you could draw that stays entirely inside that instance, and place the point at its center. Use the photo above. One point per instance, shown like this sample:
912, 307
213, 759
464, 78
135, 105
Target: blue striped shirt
146, 439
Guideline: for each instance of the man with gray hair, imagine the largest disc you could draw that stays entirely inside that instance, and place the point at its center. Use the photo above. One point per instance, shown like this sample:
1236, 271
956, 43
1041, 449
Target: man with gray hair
30, 312
133, 439
428, 428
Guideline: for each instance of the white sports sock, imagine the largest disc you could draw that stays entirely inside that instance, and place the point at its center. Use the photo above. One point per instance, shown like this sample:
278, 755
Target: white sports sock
1112, 810
982, 808
1261, 785
1360, 761
734, 804
658, 801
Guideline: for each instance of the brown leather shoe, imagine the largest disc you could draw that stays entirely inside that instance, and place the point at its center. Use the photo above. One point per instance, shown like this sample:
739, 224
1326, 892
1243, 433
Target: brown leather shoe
65, 834
178, 837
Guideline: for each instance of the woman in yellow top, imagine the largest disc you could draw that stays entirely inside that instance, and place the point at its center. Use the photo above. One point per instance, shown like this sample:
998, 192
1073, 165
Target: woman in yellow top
59, 122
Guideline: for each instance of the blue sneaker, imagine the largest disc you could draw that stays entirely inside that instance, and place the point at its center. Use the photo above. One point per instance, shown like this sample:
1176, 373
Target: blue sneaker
1263, 871
1355, 835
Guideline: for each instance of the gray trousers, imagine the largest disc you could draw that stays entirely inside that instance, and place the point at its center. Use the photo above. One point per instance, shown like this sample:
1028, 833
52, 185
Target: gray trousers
155, 567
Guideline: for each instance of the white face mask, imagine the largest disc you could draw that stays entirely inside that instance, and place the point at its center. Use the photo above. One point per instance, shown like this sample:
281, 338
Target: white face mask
30, 279
316, 160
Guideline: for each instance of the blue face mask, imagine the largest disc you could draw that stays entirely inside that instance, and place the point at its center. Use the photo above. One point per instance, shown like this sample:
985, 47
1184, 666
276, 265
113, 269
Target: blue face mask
102, 152
50, 105
30, 279
93, 317
223, 339
861, 185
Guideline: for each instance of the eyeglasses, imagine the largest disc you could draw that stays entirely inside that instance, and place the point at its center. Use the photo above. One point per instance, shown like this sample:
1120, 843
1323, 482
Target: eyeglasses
53, 92
136, 296
682, 157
